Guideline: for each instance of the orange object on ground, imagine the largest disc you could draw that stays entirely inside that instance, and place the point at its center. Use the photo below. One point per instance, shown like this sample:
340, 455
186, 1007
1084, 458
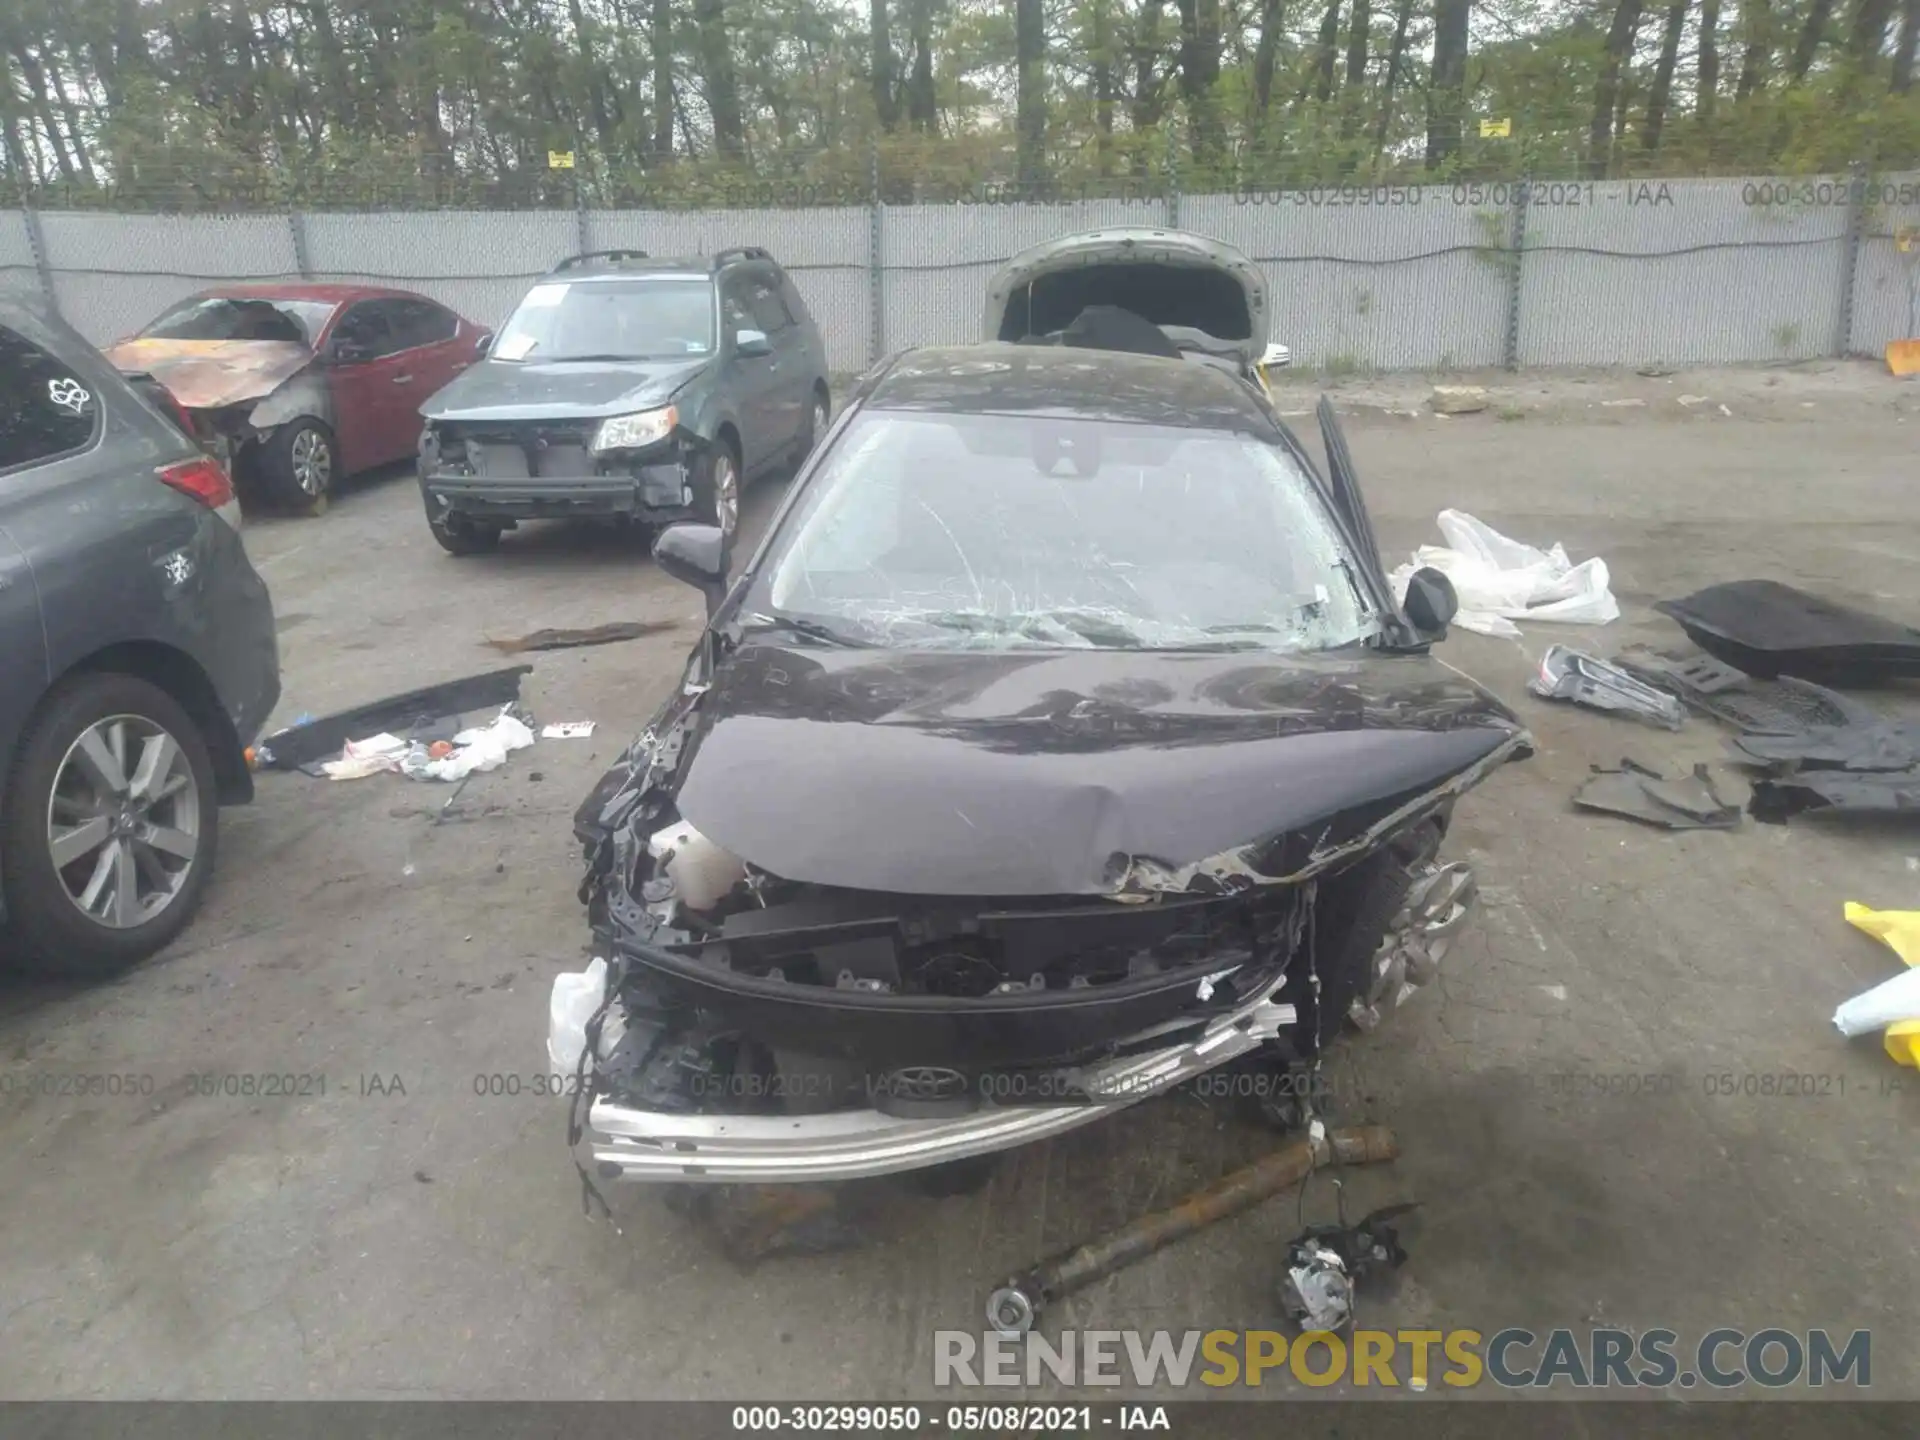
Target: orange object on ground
1903, 357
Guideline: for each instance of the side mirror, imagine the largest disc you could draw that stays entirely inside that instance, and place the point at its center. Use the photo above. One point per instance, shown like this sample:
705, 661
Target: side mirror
1431, 602
482, 344
1275, 357
345, 352
748, 344
697, 556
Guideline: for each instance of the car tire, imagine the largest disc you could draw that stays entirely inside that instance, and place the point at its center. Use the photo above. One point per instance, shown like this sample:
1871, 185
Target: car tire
955, 1177
460, 534
819, 416
718, 488
77, 920
298, 466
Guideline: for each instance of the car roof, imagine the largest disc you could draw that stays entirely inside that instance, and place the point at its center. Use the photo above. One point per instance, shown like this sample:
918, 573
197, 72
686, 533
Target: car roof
324, 294
1071, 382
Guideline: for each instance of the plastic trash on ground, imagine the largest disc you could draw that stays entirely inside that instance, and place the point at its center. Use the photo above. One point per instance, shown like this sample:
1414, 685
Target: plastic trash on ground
577, 996
567, 730
1500, 580
485, 748
1893, 1004
372, 756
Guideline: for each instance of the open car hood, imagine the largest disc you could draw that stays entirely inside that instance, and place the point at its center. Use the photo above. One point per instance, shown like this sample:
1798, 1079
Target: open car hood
212, 374
1066, 773
1174, 279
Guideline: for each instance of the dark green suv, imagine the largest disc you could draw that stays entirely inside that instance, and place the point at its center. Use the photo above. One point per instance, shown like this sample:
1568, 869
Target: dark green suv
627, 387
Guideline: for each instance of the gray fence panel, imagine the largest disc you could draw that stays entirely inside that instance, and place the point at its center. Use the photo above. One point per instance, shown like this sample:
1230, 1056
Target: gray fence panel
17, 272
1777, 296
940, 258
1407, 290
114, 273
824, 250
1886, 284
479, 263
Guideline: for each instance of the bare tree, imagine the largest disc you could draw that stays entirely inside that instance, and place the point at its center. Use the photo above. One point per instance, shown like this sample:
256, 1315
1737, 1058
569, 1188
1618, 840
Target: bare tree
1811, 34
1903, 48
1706, 84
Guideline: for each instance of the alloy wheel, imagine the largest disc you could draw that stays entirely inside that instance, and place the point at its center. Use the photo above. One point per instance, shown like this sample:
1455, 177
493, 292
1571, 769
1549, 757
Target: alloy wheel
312, 461
123, 822
820, 421
726, 494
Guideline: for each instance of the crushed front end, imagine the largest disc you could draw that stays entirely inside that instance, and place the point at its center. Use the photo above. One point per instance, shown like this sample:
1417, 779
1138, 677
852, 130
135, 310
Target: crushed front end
507, 470
755, 1027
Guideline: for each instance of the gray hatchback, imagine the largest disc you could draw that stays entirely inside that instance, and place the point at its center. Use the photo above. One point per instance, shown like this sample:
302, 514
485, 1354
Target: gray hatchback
137, 657
627, 387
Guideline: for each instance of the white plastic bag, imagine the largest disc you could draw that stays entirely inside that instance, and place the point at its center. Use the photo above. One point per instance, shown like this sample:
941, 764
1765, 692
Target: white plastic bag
482, 749
1887, 1003
1500, 580
577, 996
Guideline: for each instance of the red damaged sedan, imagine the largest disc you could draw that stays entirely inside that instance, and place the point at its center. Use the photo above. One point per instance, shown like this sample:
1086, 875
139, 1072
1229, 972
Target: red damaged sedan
295, 386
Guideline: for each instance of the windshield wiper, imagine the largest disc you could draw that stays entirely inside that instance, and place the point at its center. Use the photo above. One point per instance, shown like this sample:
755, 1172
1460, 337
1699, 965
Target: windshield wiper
812, 629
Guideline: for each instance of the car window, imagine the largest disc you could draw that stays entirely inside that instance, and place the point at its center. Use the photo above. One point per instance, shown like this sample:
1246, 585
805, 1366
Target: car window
769, 311
242, 317
1006, 531
421, 322
368, 328
46, 410
643, 317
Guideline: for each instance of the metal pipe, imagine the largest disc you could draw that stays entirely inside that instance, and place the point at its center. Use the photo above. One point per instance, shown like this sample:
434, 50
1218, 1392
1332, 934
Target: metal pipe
1012, 1309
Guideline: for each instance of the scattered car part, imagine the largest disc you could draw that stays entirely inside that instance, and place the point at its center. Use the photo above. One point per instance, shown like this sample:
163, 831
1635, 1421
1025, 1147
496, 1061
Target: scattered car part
1325, 1265
1717, 690
1014, 1307
1777, 798
567, 730
1642, 793
1868, 742
1766, 628
318, 740
1568, 674
574, 639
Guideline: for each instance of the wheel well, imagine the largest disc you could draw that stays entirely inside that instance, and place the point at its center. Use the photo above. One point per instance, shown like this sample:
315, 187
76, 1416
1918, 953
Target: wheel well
180, 675
730, 436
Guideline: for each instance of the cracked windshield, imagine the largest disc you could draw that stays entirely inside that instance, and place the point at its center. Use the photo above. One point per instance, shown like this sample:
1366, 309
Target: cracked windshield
1003, 532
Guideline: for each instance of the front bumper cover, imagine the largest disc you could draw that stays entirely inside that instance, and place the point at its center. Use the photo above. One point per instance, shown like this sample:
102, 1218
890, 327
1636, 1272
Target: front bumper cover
631, 1144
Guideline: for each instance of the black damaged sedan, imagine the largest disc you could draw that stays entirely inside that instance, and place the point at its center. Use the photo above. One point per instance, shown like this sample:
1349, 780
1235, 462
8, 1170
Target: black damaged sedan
1061, 742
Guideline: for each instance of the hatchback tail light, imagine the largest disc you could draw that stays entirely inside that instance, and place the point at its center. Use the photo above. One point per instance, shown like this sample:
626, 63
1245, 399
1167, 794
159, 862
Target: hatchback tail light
205, 479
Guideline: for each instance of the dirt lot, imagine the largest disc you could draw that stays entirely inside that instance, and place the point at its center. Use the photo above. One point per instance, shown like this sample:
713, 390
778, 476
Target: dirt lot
404, 1235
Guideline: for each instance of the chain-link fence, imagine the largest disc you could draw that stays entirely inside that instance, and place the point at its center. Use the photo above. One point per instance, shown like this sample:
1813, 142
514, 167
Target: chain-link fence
1387, 277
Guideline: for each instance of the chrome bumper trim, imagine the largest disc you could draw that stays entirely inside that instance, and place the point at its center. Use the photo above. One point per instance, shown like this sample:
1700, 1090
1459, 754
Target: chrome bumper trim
650, 1145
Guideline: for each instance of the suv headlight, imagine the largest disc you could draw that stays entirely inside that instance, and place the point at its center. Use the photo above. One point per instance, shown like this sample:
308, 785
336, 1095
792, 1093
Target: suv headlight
633, 432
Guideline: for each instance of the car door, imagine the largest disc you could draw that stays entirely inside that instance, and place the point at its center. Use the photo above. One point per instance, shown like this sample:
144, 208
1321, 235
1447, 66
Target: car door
441, 346
373, 386
790, 367
1343, 493
753, 381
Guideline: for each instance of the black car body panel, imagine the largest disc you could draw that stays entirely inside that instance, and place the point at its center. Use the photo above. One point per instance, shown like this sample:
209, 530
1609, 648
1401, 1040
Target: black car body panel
1049, 774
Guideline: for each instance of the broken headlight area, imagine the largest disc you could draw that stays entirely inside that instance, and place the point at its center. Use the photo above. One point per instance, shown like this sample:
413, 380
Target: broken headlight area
738, 992
658, 464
